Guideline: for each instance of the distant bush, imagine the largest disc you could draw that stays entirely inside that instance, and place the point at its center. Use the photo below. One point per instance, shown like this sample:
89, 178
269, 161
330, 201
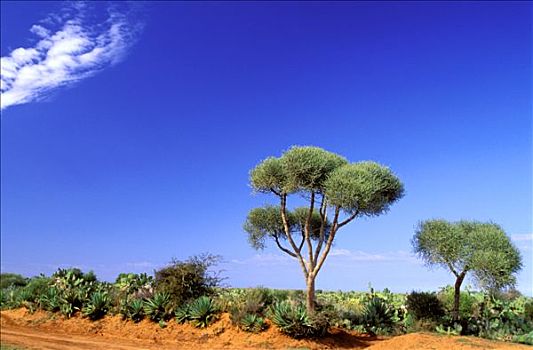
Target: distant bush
186, 280
423, 305
12, 280
467, 304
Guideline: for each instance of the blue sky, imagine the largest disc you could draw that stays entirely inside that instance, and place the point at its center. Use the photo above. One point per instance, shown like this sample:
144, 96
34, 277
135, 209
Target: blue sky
128, 131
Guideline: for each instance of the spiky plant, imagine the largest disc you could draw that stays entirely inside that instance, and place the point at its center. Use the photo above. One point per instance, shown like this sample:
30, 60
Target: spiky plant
135, 310
97, 306
377, 317
253, 323
291, 319
158, 307
203, 311
50, 300
183, 313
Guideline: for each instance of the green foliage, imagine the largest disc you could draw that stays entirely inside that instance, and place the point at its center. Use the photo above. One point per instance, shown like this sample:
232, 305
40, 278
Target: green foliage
266, 222
524, 338
366, 187
293, 320
183, 313
132, 309
132, 284
186, 280
12, 280
98, 305
50, 300
252, 323
377, 317
423, 305
202, 312
482, 248
467, 304
158, 307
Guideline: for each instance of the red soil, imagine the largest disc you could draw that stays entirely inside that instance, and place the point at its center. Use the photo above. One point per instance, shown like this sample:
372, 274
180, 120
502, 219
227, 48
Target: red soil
42, 330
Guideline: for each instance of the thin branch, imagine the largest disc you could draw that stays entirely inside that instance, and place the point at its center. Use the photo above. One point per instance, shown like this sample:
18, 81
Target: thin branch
334, 228
307, 231
283, 248
323, 220
283, 209
349, 219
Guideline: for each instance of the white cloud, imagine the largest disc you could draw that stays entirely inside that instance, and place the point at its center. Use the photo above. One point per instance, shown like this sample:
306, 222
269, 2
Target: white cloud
522, 237
74, 51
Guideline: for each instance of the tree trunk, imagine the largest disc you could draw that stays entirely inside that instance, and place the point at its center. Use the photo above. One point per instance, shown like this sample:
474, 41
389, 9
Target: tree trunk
310, 298
457, 295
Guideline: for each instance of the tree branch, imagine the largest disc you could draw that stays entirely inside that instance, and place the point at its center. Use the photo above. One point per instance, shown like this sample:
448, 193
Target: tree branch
307, 232
349, 219
283, 209
334, 228
283, 248
323, 220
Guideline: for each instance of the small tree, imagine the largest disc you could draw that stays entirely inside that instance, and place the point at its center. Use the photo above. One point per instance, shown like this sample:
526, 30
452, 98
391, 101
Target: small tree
480, 248
332, 188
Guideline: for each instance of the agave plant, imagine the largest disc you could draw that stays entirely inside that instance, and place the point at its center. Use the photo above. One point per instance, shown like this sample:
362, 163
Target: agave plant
183, 313
202, 312
97, 306
50, 300
253, 323
291, 319
135, 310
157, 307
377, 317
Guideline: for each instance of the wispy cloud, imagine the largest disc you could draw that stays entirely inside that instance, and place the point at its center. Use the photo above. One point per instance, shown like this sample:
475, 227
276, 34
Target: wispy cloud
522, 237
72, 45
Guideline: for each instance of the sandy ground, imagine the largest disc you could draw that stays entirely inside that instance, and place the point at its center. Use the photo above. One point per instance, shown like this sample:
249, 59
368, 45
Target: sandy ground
47, 331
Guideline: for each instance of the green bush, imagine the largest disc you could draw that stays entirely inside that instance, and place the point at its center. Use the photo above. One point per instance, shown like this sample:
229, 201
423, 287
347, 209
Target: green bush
202, 312
377, 317
158, 307
12, 280
184, 281
423, 305
252, 323
292, 319
97, 306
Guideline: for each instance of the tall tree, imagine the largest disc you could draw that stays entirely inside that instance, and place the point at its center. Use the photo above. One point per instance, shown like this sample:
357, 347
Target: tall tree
332, 187
483, 249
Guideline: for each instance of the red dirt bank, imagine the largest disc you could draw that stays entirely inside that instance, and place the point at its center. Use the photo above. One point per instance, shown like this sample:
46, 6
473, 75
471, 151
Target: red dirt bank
42, 330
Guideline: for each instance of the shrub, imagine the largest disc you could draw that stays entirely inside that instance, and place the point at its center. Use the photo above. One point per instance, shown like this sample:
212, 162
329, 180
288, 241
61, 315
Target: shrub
158, 307
467, 304
377, 317
135, 310
183, 313
50, 300
294, 321
187, 280
97, 306
202, 312
252, 323
12, 280
424, 305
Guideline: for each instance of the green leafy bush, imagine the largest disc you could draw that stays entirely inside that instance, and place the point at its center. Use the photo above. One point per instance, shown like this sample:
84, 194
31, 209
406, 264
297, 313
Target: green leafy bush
202, 312
158, 307
12, 280
97, 306
252, 323
377, 317
292, 319
187, 280
423, 305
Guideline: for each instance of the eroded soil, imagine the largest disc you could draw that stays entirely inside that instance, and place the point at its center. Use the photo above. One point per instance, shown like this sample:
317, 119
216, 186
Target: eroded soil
42, 330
